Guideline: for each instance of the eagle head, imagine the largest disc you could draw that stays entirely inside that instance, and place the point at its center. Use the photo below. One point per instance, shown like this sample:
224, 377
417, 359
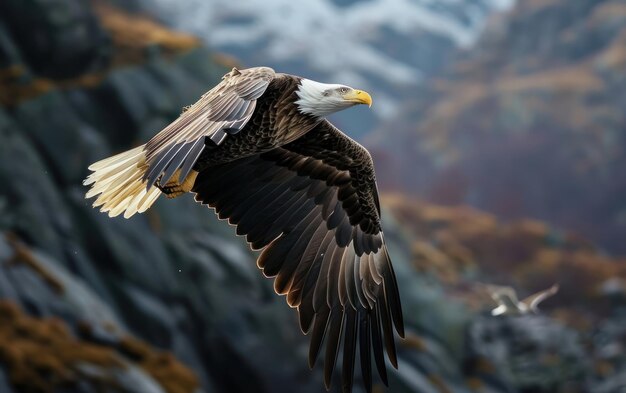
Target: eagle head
322, 99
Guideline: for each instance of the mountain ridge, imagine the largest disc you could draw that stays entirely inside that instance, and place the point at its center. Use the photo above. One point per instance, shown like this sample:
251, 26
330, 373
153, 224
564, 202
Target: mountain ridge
388, 47
529, 124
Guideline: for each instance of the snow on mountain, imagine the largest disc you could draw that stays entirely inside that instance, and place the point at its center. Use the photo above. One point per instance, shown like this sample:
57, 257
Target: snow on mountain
384, 45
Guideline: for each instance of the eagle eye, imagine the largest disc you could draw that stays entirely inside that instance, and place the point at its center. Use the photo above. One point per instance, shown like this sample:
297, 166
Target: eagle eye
343, 90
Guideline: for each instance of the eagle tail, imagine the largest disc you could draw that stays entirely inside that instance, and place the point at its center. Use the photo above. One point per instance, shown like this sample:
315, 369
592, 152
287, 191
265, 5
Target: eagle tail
119, 182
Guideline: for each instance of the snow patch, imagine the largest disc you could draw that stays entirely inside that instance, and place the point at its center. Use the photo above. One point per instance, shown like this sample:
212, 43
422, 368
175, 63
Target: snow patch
343, 44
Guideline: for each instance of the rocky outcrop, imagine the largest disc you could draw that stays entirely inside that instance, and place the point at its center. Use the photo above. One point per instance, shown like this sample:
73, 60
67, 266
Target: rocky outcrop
533, 353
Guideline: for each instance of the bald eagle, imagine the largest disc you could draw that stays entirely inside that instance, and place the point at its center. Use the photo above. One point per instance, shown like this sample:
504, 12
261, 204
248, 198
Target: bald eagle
258, 150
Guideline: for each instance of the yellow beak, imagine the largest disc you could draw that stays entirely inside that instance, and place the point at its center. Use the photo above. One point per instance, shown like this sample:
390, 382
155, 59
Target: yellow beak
359, 97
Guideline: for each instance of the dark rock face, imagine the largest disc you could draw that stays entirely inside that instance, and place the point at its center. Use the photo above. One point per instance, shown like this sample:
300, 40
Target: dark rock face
533, 353
537, 354
68, 39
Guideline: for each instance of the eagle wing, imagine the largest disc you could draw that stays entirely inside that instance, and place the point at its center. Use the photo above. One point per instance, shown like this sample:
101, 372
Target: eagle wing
533, 300
312, 207
223, 110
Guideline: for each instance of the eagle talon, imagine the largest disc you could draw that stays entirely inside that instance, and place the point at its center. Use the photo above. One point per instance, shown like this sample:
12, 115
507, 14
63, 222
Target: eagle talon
173, 188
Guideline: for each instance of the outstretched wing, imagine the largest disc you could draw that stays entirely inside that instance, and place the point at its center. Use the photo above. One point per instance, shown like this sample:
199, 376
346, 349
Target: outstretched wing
312, 207
224, 109
533, 300
503, 295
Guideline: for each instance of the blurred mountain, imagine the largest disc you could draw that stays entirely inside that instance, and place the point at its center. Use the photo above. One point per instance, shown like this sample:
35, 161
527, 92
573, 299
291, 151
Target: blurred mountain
459, 245
388, 47
529, 123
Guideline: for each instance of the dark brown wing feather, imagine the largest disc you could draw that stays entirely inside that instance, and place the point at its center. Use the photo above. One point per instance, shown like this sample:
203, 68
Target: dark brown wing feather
223, 110
311, 206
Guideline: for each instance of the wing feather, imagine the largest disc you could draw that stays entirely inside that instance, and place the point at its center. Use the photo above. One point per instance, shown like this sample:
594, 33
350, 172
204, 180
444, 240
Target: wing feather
335, 327
319, 332
311, 206
349, 350
223, 110
365, 350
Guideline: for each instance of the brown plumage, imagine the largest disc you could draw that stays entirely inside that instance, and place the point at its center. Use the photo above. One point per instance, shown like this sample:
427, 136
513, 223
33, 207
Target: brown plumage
258, 150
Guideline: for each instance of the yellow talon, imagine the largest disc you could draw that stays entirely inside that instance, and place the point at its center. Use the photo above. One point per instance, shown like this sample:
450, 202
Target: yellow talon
173, 188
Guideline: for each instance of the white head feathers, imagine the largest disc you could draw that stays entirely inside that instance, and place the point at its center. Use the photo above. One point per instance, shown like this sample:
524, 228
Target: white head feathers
322, 99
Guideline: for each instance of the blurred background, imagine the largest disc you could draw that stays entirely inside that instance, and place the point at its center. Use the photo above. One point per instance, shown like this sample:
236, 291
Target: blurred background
499, 136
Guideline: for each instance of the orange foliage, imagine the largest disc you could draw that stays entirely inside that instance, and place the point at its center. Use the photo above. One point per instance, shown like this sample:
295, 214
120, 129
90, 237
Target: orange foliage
574, 79
41, 355
608, 11
413, 342
614, 55
133, 34
13, 90
454, 241
162, 366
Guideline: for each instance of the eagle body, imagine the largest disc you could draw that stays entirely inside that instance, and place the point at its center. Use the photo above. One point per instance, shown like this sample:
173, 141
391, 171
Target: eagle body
258, 150
275, 121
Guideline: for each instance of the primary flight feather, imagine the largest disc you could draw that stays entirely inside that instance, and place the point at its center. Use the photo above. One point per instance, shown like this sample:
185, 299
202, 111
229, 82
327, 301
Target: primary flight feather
258, 150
